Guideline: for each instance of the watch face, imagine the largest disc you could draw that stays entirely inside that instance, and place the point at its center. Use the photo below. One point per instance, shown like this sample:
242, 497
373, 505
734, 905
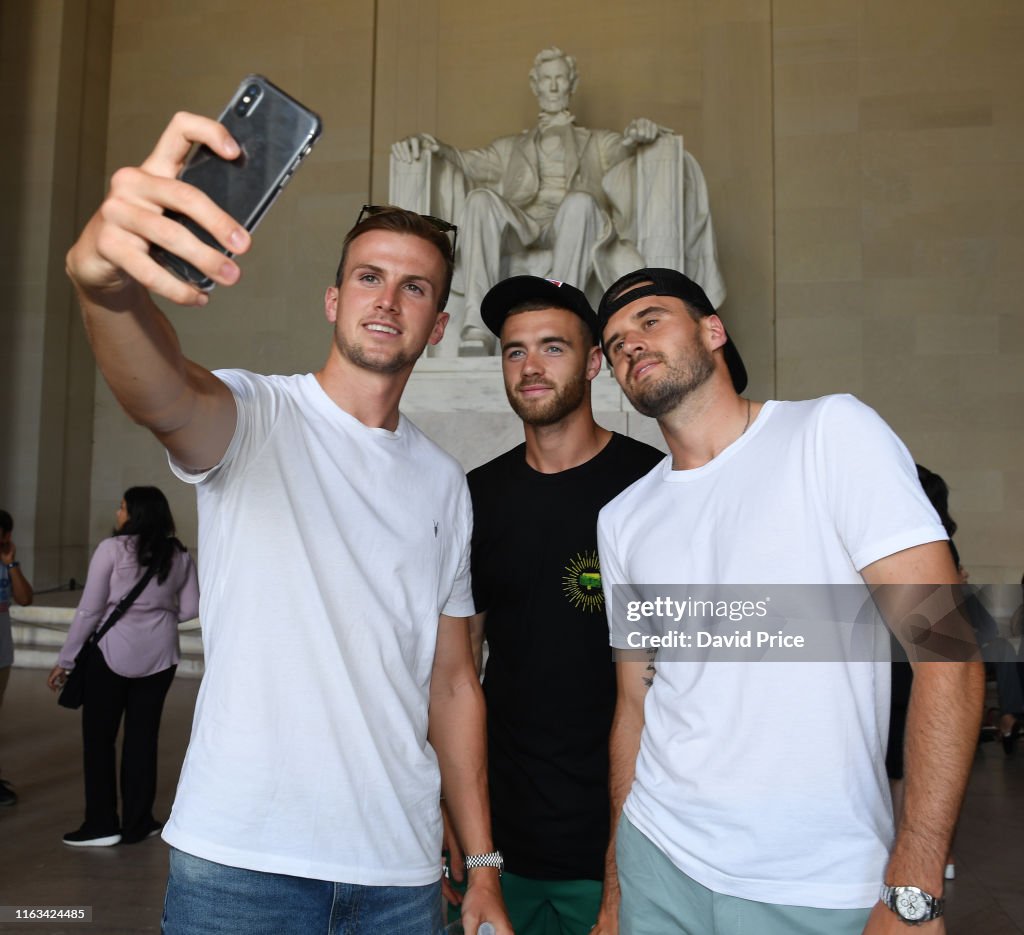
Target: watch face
910, 904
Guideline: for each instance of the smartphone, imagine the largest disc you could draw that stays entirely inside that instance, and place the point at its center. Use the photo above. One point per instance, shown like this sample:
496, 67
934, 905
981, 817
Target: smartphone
275, 133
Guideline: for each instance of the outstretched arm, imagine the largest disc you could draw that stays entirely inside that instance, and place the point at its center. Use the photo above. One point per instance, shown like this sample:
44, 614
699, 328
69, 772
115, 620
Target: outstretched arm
634, 675
188, 409
483, 166
942, 721
413, 147
457, 733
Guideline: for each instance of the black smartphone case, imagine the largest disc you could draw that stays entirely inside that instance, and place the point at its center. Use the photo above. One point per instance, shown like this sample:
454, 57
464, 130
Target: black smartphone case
275, 133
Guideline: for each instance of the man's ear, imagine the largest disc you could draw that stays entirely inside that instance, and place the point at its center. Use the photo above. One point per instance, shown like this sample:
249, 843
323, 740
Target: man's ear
437, 332
595, 358
331, 304
714, 331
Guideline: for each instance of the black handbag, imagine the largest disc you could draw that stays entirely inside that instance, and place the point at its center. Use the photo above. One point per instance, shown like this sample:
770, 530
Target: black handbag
72, 694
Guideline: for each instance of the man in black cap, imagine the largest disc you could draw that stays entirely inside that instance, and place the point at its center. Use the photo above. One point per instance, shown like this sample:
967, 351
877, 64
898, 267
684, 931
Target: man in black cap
754, 793
550, 679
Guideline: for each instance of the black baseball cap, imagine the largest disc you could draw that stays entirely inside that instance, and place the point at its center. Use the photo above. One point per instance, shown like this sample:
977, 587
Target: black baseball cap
660, 281
516, 290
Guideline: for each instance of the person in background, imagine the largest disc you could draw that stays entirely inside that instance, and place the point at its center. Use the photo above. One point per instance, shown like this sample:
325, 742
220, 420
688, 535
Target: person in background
1009, 667
13, 586
129, 677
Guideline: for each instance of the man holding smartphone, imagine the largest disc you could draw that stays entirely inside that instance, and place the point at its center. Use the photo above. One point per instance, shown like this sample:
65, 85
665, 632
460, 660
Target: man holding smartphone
309, 794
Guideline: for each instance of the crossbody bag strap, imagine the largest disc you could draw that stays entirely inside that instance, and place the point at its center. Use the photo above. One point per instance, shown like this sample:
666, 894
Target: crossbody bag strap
118, 612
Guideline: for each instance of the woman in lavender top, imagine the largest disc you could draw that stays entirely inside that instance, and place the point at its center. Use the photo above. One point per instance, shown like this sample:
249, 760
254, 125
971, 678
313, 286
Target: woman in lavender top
132, 673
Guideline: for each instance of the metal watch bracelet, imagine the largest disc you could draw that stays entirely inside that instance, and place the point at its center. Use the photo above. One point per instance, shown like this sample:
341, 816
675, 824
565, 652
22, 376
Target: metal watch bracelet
493, 859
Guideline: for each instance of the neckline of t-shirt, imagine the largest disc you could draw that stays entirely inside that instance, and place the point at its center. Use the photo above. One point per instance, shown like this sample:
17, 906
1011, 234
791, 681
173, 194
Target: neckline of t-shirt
723, 457
569, 474
329, 408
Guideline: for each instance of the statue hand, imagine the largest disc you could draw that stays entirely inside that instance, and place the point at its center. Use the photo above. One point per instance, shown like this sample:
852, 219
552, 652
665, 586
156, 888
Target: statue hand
410, 149
642, 131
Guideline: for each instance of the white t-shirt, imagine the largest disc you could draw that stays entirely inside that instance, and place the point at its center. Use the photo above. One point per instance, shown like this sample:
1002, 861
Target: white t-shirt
766, 780
327, 551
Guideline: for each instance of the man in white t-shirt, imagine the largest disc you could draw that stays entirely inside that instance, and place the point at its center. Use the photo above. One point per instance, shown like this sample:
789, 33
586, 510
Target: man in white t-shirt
334, 558
753, 794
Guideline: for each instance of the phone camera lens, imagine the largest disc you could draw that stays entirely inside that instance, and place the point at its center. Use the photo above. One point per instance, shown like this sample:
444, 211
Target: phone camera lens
248, 100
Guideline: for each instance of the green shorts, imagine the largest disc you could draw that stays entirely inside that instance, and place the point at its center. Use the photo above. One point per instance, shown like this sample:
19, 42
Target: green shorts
549, 907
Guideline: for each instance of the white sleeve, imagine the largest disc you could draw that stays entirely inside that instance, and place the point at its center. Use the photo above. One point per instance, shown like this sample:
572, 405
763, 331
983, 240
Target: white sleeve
460, 598
613, 578
871, 485
257, 405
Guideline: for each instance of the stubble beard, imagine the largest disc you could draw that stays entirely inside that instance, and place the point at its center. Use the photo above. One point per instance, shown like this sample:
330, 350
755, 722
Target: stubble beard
658, 397
561, 403
356, 354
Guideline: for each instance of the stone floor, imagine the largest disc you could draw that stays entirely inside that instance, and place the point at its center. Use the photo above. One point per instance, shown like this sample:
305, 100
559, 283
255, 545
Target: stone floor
39, 744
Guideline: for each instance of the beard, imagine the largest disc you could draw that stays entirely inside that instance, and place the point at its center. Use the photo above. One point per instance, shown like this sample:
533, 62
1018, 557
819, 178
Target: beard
356, 354
555, 407
658, 397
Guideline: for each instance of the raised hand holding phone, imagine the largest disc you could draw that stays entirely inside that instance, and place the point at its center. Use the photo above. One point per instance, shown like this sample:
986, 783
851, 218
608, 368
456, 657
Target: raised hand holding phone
117, 278
275, 133
142, 213
112, 253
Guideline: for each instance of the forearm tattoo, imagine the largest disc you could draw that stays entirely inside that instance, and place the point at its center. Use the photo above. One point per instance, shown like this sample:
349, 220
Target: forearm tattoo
651, 670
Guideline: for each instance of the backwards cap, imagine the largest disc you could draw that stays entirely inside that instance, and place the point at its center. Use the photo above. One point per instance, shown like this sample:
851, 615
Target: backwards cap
660, 281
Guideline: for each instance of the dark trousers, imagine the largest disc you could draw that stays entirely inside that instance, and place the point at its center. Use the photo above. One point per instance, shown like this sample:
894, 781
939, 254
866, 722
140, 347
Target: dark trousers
1009, 665
140, 701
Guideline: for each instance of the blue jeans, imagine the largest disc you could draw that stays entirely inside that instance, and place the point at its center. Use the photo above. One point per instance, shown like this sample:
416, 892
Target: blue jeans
205, 898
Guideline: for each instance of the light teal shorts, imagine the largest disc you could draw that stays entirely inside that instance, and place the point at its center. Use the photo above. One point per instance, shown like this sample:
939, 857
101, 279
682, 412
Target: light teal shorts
659, 899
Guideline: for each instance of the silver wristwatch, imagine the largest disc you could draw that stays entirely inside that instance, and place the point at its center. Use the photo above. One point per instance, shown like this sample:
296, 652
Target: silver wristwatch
913, 905
494, 859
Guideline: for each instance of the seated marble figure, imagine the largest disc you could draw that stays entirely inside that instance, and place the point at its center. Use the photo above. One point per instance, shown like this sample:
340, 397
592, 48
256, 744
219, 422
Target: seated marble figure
579, 205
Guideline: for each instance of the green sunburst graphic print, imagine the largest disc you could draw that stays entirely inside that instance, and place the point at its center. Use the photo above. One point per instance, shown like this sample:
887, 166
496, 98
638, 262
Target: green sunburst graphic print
581, 582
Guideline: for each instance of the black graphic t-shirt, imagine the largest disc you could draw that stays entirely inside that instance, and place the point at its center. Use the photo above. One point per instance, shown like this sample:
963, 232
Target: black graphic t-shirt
550, 678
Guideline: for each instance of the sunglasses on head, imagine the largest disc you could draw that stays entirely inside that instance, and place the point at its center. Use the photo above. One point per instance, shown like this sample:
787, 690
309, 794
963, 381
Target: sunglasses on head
369, 211
445, 227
